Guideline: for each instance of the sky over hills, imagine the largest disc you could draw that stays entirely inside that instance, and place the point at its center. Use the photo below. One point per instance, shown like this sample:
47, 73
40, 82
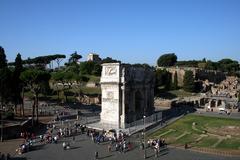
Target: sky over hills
133, 31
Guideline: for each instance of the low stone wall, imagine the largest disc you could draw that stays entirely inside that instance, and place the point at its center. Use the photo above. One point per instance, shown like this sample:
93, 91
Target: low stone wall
158, 102
89, 100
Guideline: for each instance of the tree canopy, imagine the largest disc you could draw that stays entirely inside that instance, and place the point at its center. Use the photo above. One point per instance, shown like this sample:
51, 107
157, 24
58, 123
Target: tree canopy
167, 60
109, 60
74, 57
163, 78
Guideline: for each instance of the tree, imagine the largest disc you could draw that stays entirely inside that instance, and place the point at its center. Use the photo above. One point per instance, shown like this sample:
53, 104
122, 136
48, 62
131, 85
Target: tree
64, 81
5, 83
5, 78
109, 60
58, 78
58, 58
35, 80
188, 81
3, 60
210, 65
228, 65
97, 69
167, 60
204, 60
163, 79
17, 84
74, 57
175, 81
77, 86
86, 67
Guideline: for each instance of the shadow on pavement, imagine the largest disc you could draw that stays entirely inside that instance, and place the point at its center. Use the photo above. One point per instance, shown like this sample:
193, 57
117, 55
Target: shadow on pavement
18, 158
37, 147
106, 156
71, 148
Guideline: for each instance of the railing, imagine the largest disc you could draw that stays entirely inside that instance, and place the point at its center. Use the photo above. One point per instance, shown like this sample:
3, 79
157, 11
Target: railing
139, 124
150, 119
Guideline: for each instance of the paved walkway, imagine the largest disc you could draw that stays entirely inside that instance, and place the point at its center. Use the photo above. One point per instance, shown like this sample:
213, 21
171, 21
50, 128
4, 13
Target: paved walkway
83, 149
10, 146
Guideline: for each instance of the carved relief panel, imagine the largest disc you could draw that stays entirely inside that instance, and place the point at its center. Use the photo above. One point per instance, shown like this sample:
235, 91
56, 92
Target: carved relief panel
110, 71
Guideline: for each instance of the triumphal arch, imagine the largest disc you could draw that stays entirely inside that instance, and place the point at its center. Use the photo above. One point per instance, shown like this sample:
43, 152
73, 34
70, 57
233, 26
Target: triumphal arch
127, 93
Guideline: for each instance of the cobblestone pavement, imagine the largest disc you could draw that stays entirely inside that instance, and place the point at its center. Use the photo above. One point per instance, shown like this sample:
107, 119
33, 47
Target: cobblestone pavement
84, 149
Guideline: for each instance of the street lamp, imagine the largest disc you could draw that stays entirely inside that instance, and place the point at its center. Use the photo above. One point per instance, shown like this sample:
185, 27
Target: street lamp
144, 137
1, 124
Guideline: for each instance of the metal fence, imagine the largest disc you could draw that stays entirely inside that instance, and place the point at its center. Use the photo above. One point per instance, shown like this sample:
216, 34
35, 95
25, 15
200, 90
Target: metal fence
141, 124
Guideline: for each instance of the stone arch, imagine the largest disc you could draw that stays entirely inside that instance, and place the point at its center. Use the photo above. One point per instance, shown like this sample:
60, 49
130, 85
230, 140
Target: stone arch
139, 109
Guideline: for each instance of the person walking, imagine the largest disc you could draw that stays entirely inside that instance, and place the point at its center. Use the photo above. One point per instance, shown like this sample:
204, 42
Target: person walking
109, 148
96, 155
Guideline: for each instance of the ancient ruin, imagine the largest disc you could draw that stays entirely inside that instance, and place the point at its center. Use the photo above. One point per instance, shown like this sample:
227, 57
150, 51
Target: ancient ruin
199, 74
127, 93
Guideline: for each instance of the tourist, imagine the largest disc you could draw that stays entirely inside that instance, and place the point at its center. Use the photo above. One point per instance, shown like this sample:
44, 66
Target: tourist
124, 146
88, 133
64, 146
55, 139
129, 146
8, 156
156, 152
109, 148
3, 157
116, 147
96, 155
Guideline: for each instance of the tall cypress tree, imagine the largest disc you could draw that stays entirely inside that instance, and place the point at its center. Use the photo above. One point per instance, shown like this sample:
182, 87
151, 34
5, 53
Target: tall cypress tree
175, 81
17, 85
188, 81
3, 60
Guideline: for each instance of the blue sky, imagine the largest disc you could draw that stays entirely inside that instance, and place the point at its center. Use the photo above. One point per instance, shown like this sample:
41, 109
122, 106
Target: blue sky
133, 31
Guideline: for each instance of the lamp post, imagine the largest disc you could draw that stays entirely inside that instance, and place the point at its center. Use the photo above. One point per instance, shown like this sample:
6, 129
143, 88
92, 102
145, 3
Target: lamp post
1, 124
144, 137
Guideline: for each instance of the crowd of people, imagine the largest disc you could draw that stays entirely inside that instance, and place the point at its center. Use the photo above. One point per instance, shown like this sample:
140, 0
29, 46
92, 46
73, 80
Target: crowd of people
115, 142
3, 157
157, 145
29, 139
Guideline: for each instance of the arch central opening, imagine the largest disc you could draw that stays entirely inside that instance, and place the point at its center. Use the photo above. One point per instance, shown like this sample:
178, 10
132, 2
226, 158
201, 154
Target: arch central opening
139, 110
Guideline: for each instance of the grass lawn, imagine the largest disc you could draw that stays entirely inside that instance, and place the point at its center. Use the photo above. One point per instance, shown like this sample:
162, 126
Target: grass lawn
93, 78
230, 143
88, 90
208, 127
207, 142
180, 93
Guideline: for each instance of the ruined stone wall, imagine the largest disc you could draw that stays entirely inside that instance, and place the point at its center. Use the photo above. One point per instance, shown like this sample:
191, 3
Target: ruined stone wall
199, 74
